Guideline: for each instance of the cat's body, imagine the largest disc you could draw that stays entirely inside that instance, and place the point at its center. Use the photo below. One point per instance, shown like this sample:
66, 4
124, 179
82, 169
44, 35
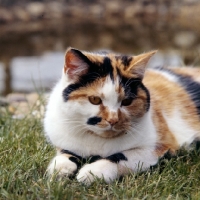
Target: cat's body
107, 108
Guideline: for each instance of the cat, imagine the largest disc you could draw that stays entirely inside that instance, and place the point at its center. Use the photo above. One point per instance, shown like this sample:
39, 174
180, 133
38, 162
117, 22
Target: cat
109, 116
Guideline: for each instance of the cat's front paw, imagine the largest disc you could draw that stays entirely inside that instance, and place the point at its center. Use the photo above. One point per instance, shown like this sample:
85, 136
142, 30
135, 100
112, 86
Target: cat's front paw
103, 169
62, 165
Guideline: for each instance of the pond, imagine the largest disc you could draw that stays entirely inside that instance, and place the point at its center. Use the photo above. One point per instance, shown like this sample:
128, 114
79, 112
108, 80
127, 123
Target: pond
32, 60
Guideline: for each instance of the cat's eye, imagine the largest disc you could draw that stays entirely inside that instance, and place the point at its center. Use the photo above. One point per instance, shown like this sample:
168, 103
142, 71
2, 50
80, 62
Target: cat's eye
127, 102
95, 100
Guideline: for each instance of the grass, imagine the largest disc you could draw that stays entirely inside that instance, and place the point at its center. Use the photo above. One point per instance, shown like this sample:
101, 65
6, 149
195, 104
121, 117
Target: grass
25, 154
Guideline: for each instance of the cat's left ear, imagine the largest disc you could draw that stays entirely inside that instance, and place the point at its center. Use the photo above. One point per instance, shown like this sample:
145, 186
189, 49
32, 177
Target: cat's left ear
139, 63
76, 64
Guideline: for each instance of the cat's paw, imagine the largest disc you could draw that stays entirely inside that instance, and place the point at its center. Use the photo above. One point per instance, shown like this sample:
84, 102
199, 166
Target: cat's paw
62, 166
103, 169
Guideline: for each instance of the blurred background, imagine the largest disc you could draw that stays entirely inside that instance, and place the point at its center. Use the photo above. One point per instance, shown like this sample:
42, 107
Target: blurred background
34, 35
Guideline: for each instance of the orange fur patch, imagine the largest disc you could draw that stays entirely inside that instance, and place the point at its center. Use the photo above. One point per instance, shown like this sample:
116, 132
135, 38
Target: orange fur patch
139, 105
173, 97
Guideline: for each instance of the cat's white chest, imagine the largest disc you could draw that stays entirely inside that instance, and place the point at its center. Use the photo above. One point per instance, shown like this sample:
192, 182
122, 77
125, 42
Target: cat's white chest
73, 138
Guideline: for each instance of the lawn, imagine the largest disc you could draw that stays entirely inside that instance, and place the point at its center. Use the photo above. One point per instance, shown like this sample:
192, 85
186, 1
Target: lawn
25, 154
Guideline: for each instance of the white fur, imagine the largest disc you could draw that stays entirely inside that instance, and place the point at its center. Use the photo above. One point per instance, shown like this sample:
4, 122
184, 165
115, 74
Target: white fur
140, 159
103, 169
62, 165
166, 74
183, 132
110, 94
65, 125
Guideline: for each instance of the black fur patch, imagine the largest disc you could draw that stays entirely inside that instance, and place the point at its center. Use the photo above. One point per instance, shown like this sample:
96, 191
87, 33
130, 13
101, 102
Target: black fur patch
69, 89
96, 70
197, 145
76, 161
71, 153
192, 87
80, 55
94, 120
148, 96
107, 66
131, 87
94, 159
116, 158
126, 60
80, 160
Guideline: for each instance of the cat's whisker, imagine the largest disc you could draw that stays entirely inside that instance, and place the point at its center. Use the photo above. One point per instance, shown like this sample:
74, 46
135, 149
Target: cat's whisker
130, 135
78, 130
71, 122
76, 125
134, 129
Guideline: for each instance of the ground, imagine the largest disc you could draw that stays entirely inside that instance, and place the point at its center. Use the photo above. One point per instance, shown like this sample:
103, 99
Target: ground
25, 154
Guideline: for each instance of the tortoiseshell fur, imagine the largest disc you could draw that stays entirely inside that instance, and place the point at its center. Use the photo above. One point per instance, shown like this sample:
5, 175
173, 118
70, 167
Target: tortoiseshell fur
112, 114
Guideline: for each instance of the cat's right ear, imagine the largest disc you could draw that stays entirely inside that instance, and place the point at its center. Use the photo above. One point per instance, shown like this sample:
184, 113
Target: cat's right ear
76, 64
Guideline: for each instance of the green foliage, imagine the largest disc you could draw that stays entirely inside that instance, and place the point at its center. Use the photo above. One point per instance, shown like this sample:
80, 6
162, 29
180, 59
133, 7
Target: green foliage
25, 154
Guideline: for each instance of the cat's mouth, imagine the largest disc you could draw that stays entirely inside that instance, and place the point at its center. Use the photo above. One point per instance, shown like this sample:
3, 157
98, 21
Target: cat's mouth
112, 134
109, 133
105, 130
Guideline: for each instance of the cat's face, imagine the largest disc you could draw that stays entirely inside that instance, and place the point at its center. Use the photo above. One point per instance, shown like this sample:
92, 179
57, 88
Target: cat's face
106, 92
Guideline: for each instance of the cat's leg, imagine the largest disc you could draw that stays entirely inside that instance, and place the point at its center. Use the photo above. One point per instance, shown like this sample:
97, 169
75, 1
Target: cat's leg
103, 168
63, 164
118, 165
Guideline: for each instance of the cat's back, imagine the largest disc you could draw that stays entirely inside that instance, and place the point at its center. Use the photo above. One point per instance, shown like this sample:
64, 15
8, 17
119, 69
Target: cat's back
175, 101
175, 87
172, 74
173, 80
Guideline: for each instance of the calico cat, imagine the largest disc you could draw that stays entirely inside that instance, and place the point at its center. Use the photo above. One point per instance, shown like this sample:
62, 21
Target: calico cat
109, 116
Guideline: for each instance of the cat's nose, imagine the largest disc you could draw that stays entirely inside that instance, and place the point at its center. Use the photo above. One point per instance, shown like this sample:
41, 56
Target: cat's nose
112, 118
112, 121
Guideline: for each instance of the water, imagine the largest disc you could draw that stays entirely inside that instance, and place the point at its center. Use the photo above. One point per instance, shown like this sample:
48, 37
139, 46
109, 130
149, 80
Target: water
33, 60
36, 73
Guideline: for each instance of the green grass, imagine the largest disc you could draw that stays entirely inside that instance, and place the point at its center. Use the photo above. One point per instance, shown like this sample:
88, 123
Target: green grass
25, 154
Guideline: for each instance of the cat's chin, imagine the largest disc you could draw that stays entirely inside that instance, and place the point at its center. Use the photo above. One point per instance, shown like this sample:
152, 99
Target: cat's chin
109, 133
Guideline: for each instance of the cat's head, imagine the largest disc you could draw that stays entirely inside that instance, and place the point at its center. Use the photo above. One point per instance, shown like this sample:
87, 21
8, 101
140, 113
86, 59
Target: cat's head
105, 91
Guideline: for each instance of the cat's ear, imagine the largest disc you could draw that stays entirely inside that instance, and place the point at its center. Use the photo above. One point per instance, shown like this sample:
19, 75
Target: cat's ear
138, 63
76, 64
